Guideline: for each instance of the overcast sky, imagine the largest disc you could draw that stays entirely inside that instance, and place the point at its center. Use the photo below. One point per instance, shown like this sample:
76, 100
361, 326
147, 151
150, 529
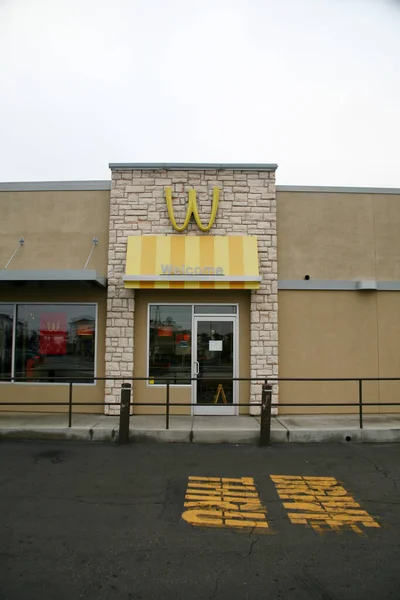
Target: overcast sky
313, 85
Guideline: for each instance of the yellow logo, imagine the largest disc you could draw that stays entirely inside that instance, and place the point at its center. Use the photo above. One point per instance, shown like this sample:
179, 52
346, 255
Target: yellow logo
192, 210
53, 326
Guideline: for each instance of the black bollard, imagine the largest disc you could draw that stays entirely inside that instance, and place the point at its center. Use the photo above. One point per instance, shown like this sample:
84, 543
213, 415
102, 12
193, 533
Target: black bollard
265, 426
123, 436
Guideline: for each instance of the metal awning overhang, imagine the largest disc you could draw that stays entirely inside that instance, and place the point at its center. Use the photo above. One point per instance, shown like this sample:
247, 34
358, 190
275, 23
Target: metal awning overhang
55, 275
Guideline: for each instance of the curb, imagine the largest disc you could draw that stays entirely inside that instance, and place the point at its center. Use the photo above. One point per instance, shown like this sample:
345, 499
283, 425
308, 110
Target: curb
206, 436
67, 434
375, 436
161, 435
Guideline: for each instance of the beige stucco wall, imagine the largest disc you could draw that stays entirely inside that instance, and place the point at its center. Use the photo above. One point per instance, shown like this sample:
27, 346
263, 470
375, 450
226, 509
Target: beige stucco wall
21, 392
388, 311
331, 236
58, 228
138, 207
142, 392
338, 235
386, 214
338, 334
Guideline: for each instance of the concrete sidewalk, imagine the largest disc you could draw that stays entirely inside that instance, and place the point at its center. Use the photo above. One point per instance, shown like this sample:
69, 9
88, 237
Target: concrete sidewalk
236, 430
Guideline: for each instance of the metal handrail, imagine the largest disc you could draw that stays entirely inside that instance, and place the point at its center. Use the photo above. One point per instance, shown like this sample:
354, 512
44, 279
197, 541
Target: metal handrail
265, 404
269, 378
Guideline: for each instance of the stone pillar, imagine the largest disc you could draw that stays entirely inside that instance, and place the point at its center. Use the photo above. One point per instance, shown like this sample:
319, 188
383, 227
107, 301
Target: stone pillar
137, 207
264, 301
120, 301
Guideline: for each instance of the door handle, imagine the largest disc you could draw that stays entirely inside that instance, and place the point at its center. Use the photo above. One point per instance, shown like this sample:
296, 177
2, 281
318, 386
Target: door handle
196, 367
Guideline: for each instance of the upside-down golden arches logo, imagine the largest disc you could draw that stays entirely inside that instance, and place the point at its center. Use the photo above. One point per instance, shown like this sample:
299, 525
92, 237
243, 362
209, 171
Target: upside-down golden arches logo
53, 326
192, 210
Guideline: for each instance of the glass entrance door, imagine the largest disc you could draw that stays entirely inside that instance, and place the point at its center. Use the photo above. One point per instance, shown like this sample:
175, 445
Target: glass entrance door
214, 365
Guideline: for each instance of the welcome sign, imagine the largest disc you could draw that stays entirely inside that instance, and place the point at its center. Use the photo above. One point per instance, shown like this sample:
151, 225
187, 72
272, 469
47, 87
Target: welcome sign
189, 270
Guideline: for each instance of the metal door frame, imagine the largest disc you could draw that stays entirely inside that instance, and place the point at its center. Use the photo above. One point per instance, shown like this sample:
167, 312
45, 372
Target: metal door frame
215, 409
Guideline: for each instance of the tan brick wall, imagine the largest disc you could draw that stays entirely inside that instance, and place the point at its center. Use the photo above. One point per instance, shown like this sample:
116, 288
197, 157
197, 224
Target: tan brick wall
247, 207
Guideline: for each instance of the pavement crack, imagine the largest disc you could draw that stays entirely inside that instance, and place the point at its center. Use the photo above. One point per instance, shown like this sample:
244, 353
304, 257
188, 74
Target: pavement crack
248, 555
377, 469
216, 583
283, 425
252, 542
382, 472
222, 571
164, 502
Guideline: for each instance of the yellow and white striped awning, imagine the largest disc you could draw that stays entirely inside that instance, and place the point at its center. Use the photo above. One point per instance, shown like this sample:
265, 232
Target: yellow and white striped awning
192, 262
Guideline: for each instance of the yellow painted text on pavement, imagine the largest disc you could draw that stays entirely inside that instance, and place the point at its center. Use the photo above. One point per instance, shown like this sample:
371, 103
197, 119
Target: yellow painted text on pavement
224, 502
321, 502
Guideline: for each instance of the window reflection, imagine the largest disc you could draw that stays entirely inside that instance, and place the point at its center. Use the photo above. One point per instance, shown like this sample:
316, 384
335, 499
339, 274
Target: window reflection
6, 335
170, 351
54, 342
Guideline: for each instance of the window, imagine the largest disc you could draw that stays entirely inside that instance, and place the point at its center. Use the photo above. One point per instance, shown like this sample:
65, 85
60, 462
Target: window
6, 337
215, 309
52, 342
170, 350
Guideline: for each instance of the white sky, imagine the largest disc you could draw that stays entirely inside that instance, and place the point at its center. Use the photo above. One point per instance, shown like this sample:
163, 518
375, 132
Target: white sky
313, 85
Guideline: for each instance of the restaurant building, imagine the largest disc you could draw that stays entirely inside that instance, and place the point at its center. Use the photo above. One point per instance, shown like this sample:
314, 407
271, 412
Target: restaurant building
201, 274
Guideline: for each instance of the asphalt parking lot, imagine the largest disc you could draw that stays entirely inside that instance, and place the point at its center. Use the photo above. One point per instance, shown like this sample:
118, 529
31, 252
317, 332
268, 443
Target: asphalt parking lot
144, 521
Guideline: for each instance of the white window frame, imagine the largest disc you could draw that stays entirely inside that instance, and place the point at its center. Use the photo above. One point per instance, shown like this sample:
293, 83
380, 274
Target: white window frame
211, 315
58, 383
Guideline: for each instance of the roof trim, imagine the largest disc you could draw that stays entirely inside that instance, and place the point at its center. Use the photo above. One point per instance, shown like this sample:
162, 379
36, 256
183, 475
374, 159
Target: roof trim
317, 284
37, 186
193, 166
336, 190
83, 275
54, 186
339, 285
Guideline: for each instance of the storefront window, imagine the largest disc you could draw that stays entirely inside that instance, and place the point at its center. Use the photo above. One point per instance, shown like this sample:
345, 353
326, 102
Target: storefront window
6, 336
170, 351
55, 342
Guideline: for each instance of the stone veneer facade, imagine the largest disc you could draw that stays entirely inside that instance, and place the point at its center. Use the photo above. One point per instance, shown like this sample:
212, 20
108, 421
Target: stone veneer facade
247, 207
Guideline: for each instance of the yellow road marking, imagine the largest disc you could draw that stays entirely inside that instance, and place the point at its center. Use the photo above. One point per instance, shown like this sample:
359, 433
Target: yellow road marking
224, 502
226, 486
321, 502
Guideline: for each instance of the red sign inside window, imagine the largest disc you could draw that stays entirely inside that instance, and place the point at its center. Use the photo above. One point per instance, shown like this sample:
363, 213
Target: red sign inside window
165, 331
182, 337
53, 333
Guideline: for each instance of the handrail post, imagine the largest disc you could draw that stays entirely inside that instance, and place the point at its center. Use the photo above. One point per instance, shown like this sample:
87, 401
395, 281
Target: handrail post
70, 405
360, 401
265, 423
123, 435
167, 407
